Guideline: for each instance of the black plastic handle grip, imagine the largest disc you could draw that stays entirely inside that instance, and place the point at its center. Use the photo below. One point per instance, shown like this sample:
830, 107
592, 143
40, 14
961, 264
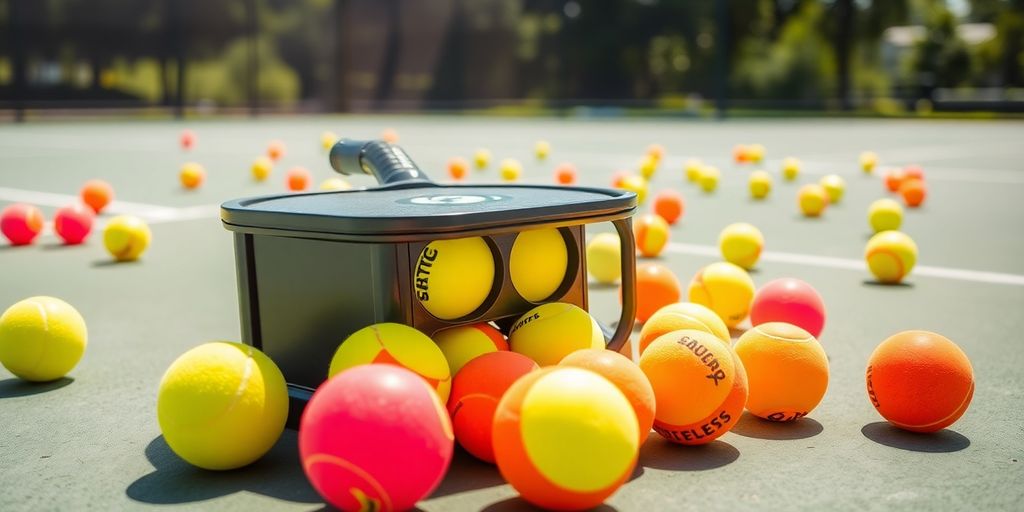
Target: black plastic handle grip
627, 316
386, 162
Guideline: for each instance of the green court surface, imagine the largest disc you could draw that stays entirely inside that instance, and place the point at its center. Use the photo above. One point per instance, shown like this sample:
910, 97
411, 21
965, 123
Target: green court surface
91, 441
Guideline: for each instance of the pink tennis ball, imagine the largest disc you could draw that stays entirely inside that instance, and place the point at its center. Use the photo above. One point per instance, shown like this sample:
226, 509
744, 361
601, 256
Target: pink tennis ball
21, 223
791, 301
375, 437
73, 223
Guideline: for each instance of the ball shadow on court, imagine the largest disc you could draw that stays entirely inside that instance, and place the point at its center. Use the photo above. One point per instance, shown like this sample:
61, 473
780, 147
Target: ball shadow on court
659, 453
943, 441
752, 426
15, 387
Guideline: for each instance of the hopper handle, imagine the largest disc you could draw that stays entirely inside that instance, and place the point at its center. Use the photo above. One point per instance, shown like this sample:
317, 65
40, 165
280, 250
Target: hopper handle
627, 317
386, 162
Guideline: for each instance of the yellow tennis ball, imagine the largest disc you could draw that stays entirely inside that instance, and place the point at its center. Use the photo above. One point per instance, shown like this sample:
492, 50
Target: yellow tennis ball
126, 237
41, 338
510, 169
549, 332
542, 149
604, 258
790, 168
222, 405
755, 153
651, 233
812, 200
679, 316
890, 255
741, 244
868, 161
481, 159
327, 139
760, 184
834, 186
636, 185
885, 215
724, 288
192, 175
454, 277
538, 263
261, 168
709, 179
335, 184
648, 166
692, 170
397, 344
464, 343
787, 371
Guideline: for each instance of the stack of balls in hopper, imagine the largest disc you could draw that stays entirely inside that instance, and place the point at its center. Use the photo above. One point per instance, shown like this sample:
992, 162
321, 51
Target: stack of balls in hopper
561, 417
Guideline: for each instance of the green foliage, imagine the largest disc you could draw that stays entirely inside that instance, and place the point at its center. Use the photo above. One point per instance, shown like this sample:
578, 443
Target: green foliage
941, 58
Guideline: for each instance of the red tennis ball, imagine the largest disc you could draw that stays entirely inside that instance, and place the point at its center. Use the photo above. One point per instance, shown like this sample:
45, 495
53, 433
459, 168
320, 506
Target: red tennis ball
566, 174
73, 223
791, 301
298, 179
187, 139
97, 194
375, 437
913, 172
920, 381
21, 223
476, 390
669, 205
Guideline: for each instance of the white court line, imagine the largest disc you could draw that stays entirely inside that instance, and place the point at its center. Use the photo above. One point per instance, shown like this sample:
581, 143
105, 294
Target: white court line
60, 200
977, 276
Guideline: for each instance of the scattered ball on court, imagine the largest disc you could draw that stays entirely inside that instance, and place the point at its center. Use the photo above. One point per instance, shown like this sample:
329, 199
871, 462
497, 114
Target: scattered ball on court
192, 175
327, 140
868, 161
890, 256
636, 185
618, 177
648, 166
913, 192
834, 186
332, 184
669, 205
787, 371
481, 159
454, 277
549, 332
692, 169
41, 338
538, 263
741, 244
656, 287
893, 179
399, 345
726, 289
21, 223
885, 215
222, 405
126, 237
755, 153
699, 384
187, 139
651, 233
656, 151
604, 258
792, 301
625, 375
389, 135
457, 168
97, 194
464, 343
566, 174
740, 153
681, 316
350, 439
709, 179
298, 179
760, 184
565, 438
510, 169
73, 223
812, 200
476, 391
541, 150
261, 168
790, 168
275, 150
920, 381
913, 172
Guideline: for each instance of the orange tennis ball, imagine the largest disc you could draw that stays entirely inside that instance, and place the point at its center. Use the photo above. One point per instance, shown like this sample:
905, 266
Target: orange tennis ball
699, 385
913, 192
566, 174
565, 438
669, 205
192, 175
457, 168
680, 316
399, 345
298, 179
652, 233
476, 390
626, 375
656, 287
389, 135
893, 180
787, 371
618, 177
275, 150
913, 172
462, 344
97, 194
920, 381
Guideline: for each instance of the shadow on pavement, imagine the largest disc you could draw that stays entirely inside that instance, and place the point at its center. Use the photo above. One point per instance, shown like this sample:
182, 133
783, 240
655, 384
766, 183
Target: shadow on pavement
278, 475
752, 426
109, 262
943, 441
659, 453
15, 387
517, 503
872, 282
467, 473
